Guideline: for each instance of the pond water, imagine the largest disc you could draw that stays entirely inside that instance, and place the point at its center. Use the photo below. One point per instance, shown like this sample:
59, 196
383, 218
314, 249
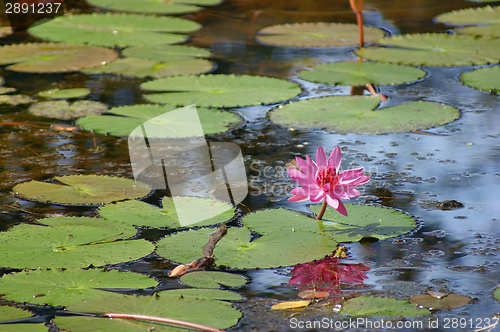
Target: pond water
453, 250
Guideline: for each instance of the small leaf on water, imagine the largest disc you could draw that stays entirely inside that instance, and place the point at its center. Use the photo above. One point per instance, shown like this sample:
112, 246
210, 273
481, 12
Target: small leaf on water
221, 90
381, 306
450, 301
212, 279
357, 114
54, 57
81, 190
154, 6
318, 34
121, 121
291, 305
312, 294
213, 313
61, 109
64, 93
138, 213
361, 73
115, 29
61, 288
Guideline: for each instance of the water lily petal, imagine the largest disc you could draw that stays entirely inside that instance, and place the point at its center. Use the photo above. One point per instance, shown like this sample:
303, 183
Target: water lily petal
312, 168
302, 164
321, 158
301, 178
336, 204
335, 158
298, 198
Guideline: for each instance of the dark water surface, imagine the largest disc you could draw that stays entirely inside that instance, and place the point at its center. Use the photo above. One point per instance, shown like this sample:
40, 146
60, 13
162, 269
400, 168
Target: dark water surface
454, 250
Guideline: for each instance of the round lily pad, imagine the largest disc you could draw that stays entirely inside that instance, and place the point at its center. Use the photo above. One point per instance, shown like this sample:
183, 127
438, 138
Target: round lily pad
361, 73
221, 90
165, 53
490, 30
199, 293
435, 50
61, 288
381, 306
53, 58
365, 220
24, 327
154, 6
213, 313
349, 114
15, 99
316, 35
69, 245
115, 29
121, 121
61, 109
81, 190
212, 279
138, 213
487, 79
450, 301
9, 313
483, 15
64, 93
144, 67
278, 246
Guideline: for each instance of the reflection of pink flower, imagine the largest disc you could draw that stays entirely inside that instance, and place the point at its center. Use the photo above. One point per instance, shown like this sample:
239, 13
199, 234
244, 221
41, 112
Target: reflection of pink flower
322, 180
328, 270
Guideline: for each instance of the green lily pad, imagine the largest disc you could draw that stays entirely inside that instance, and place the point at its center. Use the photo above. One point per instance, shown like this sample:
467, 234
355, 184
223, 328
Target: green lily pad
15, 99
221, 90
144, 67
435, 50
10, 313
54, 58
487, 79
166, 53
361, 73
81, 190
122, 231
26, 327
349, 114
212, 279
62, 288
276, 247
364, 220
130, 117
61, 109
216, 314
154, 6
64, 93
316, 35
450, 301
496, 294
115, 29
490, 30
208, 294
68, 246
483, 15
381, 306
143, 214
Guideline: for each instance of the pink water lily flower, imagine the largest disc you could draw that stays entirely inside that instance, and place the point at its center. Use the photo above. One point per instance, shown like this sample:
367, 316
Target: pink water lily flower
322, 181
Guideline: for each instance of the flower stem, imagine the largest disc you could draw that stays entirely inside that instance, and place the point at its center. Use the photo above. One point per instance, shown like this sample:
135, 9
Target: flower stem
322, 212
163, 320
